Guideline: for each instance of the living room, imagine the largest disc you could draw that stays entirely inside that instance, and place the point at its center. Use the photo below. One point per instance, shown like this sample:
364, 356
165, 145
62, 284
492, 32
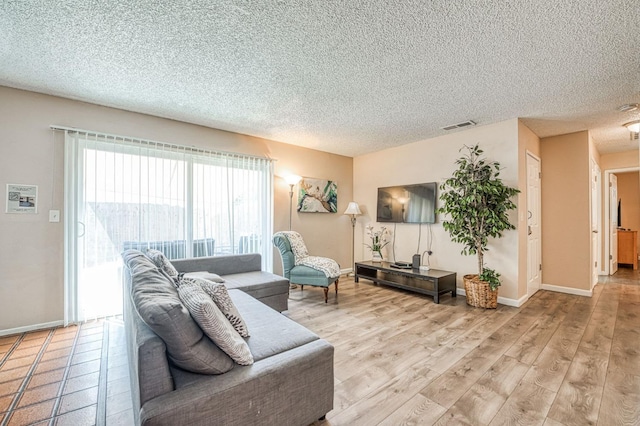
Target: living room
32, 258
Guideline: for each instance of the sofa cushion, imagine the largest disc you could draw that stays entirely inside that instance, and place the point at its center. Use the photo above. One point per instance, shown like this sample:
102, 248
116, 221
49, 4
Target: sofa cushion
161, 261
271, 332
206, 275
213, 322
156, 300
258, 284
218, 293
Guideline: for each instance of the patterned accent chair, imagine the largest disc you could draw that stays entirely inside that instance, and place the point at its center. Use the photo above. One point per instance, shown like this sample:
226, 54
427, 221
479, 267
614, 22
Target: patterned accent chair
300, 274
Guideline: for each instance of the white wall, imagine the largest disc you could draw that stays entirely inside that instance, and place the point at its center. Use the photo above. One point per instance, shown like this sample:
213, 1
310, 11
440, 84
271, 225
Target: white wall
432, 160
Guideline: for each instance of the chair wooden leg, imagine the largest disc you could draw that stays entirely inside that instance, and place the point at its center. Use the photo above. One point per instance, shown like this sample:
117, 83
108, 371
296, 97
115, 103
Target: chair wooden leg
301, 287
326, 294
337, 281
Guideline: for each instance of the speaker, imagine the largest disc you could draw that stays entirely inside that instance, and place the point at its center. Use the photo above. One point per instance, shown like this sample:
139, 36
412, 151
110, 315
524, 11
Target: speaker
416, 261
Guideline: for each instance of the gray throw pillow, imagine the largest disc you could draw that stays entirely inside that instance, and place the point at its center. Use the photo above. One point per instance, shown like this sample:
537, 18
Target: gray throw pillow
156, 300
213, 322
220, 296
161, 261
206, 275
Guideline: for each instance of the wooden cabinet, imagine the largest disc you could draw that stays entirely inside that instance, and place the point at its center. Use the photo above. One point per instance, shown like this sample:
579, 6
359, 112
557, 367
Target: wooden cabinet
628, 248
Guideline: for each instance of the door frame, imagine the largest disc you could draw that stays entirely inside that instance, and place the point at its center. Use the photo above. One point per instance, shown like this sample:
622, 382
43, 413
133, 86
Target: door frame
607, 212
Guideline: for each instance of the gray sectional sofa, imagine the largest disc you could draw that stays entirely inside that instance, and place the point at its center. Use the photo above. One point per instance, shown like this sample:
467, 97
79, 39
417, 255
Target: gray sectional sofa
290, 382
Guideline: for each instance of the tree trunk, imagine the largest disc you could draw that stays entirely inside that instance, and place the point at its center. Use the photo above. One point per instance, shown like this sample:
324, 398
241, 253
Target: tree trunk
480, 261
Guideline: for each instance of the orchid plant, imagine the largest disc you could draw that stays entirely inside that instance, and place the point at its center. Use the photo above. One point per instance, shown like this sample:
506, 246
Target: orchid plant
378, 238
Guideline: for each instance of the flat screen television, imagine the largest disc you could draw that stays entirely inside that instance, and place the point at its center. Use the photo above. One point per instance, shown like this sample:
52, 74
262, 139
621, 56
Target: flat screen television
407, 203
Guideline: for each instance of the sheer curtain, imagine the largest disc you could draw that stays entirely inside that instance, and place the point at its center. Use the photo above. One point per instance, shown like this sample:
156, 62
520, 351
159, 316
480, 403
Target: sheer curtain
123, 193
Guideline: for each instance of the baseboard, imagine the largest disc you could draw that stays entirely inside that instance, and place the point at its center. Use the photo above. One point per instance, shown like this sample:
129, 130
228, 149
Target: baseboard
501, 300
26, 329
346, 271
567, 290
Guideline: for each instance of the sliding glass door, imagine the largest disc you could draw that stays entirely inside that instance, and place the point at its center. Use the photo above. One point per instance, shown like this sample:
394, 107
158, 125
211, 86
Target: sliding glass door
129, 194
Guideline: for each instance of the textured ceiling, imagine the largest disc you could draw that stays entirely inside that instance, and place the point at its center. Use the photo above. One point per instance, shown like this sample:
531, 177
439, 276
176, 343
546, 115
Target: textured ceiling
347, 77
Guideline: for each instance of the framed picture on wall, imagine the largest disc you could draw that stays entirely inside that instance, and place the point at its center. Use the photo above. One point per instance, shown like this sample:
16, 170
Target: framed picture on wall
317, 196
22, 199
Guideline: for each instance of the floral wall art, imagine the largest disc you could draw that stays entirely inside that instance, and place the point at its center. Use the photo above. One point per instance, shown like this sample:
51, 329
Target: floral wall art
317, 196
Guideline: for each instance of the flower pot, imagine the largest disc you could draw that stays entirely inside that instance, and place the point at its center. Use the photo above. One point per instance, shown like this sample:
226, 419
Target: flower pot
479, 294
376, 257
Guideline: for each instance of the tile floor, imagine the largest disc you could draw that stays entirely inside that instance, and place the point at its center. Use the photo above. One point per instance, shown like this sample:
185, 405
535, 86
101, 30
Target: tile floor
65, 376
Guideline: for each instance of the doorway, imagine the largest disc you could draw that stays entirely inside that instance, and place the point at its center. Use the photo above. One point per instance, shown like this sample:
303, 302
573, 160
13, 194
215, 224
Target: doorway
534, 232
596, 203
611, 218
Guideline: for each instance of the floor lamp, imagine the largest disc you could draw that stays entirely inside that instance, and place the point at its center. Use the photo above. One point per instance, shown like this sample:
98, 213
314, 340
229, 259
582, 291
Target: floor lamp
353, 210
292, 180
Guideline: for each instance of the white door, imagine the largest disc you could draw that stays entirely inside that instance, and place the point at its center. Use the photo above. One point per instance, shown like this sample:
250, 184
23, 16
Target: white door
595, 222
534, 247
613, 224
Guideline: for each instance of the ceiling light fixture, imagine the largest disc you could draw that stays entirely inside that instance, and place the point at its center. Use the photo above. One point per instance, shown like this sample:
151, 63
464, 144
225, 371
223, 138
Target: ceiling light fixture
633, 126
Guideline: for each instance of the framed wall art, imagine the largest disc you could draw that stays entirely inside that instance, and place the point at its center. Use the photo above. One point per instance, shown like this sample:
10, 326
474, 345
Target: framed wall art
317, 196
22, 199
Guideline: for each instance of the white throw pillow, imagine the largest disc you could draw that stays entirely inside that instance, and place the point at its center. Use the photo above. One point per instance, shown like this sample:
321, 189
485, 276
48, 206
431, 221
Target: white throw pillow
161, 261
220, 296
213, 322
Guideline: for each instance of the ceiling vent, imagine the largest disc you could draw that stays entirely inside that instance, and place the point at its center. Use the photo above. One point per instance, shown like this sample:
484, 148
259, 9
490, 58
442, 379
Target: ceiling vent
459, 125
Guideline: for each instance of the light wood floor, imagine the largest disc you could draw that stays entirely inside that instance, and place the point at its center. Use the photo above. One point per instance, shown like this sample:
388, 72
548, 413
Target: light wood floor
400, 359
557, 360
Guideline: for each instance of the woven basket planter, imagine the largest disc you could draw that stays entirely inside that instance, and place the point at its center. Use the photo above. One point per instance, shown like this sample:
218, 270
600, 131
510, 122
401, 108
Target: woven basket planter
479, 294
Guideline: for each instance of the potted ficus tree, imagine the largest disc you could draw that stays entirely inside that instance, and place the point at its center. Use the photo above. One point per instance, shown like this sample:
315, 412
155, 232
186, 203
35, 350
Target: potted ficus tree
477, 203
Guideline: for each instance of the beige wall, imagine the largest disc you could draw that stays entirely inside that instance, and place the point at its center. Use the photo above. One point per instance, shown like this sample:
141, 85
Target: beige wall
31, 253
619, 160
527, 142
566, 233
432, 160
629, 194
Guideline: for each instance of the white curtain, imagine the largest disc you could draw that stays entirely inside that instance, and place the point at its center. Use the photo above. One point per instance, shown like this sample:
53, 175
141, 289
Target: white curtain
123, 193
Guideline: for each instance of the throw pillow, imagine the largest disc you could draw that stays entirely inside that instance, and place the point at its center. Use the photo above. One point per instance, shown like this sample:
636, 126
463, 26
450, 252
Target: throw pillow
206, 275
220, 296
156, 301
214, 324
161, 261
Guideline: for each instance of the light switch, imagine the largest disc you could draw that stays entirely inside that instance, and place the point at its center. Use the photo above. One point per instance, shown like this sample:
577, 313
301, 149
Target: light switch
54, 215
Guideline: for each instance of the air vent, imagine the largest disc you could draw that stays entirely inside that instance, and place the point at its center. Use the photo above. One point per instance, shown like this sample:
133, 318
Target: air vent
634, 136
459, 125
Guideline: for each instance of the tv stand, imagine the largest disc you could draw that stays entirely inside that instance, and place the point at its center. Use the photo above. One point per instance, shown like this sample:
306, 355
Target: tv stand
433, 282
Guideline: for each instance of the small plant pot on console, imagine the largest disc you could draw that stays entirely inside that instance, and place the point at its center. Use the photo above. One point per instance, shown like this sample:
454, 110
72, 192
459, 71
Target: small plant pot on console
479, 294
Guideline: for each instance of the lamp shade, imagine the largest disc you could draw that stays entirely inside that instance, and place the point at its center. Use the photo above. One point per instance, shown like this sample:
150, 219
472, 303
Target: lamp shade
292, 179
353, 208
633, 126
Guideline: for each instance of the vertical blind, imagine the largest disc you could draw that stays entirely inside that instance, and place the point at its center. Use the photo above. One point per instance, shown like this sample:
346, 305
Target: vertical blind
126, 193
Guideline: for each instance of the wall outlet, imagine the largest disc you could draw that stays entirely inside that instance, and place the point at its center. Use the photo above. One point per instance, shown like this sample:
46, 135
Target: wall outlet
54, 215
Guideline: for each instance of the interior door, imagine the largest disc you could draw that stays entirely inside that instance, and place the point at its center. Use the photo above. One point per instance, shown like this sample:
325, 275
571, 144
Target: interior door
534, 246
613, 224
595, 222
